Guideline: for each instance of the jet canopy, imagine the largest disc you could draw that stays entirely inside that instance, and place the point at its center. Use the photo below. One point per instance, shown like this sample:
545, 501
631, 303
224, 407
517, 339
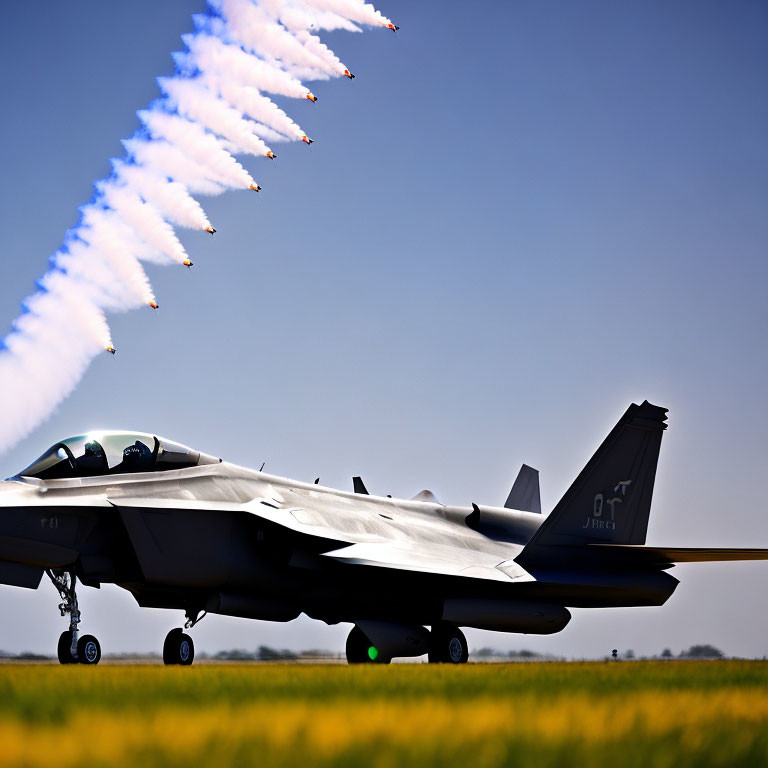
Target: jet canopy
113, 453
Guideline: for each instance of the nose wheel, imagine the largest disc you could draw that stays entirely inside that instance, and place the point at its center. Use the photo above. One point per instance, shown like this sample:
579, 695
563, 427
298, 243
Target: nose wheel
178, 648
72, 648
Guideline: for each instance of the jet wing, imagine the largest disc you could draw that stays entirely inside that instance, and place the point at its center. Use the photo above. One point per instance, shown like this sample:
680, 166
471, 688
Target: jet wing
445, 561
292, 518
670, 555
347, 547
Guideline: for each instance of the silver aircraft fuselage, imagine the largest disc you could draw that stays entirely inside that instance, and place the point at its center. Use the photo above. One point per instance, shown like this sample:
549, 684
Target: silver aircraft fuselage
182, 530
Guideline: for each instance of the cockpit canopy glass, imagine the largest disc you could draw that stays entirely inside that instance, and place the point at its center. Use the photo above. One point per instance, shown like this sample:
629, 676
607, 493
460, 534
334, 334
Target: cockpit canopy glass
113, 453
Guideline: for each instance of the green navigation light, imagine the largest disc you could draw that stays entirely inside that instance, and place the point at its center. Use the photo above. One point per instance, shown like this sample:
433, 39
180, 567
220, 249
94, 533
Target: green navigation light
373, 653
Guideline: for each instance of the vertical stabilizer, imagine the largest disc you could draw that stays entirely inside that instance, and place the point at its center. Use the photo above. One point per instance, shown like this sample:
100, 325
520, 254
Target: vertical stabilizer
610, 500
525, 494
359, 486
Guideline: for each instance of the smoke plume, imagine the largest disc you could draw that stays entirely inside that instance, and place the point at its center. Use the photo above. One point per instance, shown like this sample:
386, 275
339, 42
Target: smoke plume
216, 105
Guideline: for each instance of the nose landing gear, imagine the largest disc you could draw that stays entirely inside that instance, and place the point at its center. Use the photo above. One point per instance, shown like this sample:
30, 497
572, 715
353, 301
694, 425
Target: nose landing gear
178, 647
72, 648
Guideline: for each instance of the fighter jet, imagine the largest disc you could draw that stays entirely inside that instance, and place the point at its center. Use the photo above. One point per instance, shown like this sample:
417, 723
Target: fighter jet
256, 187
183, 530
311, 96
348, 74
393, 27
307, 140
111, 350
271, 155
210, 230
188, 263
153, 304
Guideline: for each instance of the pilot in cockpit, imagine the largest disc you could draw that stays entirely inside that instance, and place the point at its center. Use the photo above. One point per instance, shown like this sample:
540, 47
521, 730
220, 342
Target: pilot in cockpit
93, 461
136, 458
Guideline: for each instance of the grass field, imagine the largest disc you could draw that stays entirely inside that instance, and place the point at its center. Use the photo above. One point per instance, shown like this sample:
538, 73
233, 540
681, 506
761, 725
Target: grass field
644, 714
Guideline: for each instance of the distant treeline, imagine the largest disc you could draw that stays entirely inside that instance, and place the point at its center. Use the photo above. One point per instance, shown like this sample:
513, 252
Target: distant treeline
702, 651
266, 653
262, 653
523, 655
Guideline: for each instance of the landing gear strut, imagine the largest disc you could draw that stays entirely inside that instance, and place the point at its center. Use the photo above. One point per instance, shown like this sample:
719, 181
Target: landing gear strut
72, 648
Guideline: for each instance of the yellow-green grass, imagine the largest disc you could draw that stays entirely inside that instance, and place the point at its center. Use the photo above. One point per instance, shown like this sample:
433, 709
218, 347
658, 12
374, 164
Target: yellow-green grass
644, 714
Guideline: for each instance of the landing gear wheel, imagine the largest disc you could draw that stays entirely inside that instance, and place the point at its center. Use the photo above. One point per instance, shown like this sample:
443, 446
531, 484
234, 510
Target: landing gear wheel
186, 650
64, 649
178, 648
448, 645
88, 650
360, 650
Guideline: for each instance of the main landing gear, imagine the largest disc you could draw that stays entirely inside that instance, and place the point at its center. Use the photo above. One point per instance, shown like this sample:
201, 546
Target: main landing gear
178, 647
447, 645
73, 648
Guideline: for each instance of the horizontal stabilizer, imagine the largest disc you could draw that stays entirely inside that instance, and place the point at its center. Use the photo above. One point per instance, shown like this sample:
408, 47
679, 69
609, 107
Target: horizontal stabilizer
525, 494
631, 553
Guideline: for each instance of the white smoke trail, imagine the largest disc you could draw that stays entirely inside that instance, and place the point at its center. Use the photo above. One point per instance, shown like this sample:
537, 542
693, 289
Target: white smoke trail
258, 30
299, 16
170, 197
258, 107
170, 161
213, 108
47, 353
144, 219
354, 10
210, 54
193, 100
201, 147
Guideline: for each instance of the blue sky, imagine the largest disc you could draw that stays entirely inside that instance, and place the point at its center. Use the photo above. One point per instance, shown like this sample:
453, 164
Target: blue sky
513, 223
